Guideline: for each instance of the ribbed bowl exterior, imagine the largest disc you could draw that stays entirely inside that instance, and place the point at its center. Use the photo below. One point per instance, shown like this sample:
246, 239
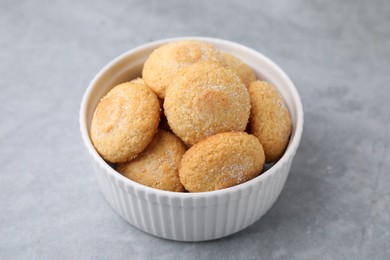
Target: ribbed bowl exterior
190, 216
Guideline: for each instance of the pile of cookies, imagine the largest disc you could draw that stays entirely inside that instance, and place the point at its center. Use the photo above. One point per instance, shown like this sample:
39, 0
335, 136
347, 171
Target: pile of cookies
198, 120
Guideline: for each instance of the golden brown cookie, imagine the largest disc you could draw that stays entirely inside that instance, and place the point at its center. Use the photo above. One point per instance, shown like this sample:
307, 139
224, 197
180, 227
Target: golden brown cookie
245, 73
166, 61
221, 161
125, 122
205, 99
270, 119
157, 166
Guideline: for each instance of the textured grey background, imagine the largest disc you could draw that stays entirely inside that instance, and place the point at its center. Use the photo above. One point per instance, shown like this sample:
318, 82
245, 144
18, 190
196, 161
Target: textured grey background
336, 202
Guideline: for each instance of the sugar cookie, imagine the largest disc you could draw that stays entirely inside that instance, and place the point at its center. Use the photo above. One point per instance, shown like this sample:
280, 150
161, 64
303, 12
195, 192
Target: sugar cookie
270, 119
125, 122
221, 161
157, 166
205, 99
166, 61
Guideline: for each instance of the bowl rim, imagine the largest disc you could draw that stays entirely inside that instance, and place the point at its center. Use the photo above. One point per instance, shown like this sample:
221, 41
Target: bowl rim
290, 151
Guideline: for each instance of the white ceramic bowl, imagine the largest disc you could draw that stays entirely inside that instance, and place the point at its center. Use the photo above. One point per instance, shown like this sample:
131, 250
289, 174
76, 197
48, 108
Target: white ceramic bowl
190, 216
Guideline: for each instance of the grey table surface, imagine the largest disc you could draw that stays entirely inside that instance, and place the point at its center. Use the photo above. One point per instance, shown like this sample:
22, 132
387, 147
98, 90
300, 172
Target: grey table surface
336, 202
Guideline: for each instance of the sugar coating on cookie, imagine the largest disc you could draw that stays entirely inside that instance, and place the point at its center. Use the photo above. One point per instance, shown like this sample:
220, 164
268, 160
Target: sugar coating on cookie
125, 121
157, 166
270, 119
245, 73
205, 99
221, 161
167, 60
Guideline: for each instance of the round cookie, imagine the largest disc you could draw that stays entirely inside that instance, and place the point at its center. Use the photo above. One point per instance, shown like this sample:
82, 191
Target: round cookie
270, 119
166, 61
221, 161
205, 99
157, 166
125, 122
